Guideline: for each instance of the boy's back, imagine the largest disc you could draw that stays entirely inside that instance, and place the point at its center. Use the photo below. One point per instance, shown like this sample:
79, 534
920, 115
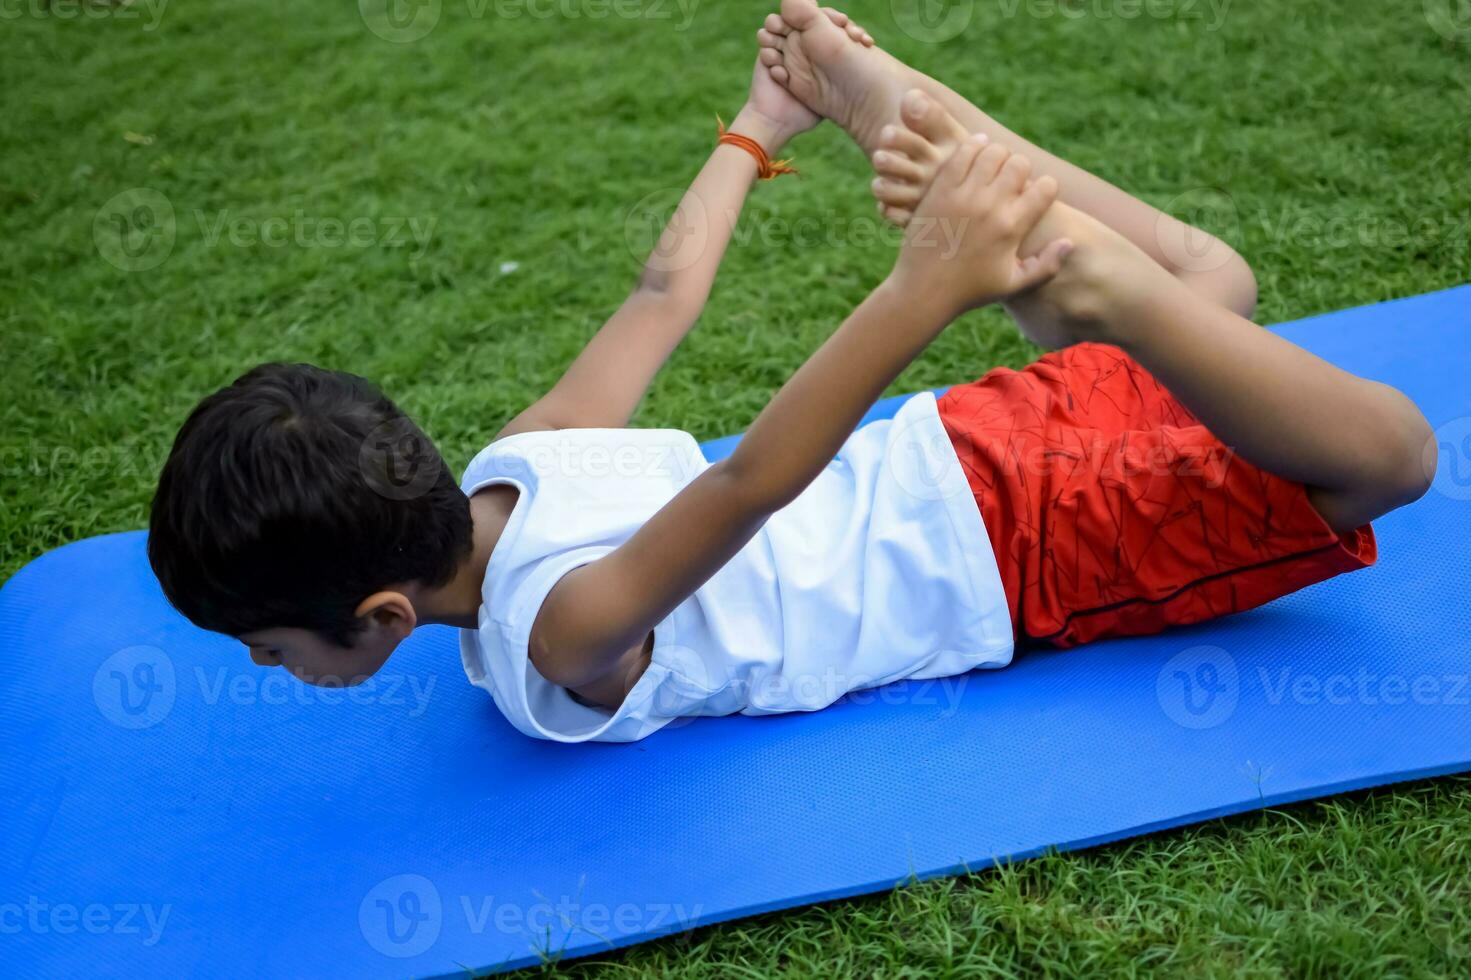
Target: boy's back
880, 570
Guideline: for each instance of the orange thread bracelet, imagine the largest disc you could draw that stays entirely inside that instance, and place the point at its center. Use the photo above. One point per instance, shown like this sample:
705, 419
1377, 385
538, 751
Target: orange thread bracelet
767, 169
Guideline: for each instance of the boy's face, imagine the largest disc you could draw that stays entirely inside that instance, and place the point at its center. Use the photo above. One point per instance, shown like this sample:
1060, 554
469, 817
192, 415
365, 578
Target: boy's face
320, 662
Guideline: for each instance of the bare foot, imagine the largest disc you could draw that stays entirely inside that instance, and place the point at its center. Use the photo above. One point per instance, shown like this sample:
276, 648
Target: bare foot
833, 67
910, 152
1103, 271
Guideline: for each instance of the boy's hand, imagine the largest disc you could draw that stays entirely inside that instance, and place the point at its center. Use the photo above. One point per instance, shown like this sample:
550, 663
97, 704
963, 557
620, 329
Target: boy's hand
961, 248
772, 114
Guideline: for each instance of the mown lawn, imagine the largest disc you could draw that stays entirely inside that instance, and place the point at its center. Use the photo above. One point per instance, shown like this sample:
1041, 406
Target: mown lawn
193, 187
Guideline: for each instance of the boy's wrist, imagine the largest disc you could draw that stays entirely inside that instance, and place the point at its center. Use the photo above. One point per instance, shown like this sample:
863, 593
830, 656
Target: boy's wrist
770, 133
920, 300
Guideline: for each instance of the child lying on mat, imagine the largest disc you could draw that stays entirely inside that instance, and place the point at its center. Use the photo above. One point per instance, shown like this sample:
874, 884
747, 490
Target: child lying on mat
1169, 463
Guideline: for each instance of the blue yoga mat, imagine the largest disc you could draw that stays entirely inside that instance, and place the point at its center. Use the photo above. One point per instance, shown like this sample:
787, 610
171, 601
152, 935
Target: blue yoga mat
171, 810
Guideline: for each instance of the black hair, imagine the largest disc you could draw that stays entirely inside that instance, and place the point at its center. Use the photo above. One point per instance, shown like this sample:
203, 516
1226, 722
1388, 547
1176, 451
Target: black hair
292, 495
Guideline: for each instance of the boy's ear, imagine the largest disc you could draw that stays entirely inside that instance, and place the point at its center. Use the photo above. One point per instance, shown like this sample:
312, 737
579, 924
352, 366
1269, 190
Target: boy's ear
391, 611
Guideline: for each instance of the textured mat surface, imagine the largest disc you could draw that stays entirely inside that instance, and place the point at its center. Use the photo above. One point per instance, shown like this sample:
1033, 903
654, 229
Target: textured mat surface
170, 810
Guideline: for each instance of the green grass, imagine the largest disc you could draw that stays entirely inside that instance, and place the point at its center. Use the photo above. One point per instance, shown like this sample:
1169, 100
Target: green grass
1327, 141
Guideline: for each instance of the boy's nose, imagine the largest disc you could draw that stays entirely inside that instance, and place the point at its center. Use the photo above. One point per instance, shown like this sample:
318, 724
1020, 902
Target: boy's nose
263, 658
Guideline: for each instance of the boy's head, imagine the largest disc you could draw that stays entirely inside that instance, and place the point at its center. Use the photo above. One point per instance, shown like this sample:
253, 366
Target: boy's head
296, 509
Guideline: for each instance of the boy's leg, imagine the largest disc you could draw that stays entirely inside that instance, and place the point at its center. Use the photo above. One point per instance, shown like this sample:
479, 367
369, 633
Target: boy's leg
924, 139
861, 89
1113, 512
1355, 444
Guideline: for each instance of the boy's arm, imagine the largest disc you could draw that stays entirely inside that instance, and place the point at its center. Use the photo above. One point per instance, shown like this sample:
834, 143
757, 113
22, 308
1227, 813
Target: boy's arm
597, 618
606, 382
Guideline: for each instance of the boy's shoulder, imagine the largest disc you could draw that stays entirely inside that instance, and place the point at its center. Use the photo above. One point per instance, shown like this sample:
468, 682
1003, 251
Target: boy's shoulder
618, 458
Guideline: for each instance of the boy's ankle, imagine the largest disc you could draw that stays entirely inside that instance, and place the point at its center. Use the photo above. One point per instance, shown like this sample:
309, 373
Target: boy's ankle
1114, 285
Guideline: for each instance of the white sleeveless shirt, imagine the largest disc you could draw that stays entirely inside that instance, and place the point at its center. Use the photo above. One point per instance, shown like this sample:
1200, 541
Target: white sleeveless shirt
879, 571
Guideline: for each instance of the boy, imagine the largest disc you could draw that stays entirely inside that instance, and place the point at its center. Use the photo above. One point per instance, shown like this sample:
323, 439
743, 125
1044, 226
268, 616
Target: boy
608, 580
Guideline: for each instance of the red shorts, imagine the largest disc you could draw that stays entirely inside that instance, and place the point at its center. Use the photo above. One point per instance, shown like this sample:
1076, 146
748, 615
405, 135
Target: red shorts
1113, 512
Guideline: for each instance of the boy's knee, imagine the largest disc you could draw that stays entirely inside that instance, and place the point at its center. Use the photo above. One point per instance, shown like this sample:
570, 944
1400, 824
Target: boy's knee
1207, 265
1240, 286
1228, 280
1397, 467
1404, 464
1412, 468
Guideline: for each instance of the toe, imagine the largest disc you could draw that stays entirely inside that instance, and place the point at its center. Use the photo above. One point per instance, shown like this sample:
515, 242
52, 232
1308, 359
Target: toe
896, 166
896, 193
929, 119
770, 57
907, 142
776, 25
780, 74
896, 216
853, 30
768, 40
800, 15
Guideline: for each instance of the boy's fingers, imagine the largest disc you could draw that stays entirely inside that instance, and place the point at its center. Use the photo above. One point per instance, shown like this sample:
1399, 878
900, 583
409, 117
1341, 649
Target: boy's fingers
1040, 268
1013, 175
959, 166
991, 160
1035, 201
